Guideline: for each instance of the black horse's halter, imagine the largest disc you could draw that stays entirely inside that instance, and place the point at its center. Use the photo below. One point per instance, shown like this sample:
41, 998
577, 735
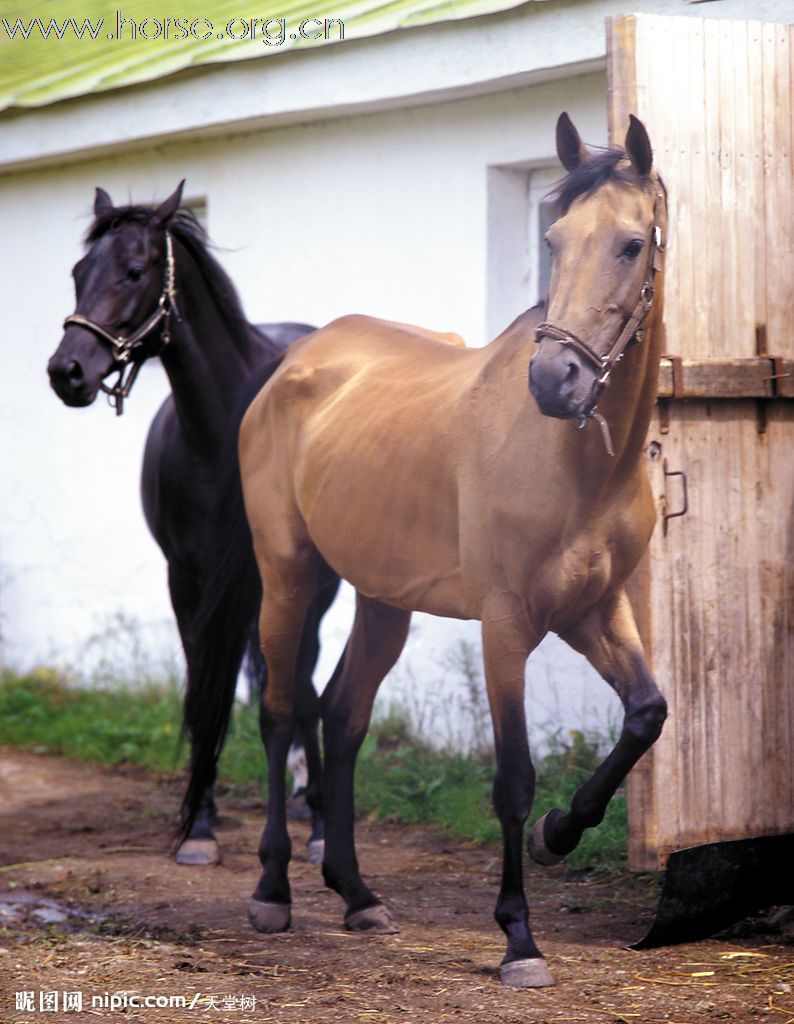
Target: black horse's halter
630, 333
129, 353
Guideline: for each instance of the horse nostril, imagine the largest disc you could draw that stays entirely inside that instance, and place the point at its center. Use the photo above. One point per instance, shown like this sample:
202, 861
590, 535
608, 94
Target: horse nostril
74, 372
569, 380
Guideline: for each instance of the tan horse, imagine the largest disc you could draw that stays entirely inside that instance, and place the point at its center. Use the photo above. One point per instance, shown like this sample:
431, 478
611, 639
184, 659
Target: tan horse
427, 476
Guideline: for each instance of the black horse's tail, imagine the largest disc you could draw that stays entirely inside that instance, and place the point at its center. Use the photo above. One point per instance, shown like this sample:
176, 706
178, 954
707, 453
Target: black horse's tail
230, 599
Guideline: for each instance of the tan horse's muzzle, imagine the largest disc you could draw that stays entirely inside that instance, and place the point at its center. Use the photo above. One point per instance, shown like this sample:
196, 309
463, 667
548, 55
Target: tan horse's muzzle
562, 381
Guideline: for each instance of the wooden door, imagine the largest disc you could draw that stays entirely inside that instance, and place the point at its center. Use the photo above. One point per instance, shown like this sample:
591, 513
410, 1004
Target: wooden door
715, 594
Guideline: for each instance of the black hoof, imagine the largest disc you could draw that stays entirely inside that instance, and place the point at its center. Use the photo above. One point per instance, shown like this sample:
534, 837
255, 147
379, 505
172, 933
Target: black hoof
297, 807
374, 920
198, 851
532, 973
315, 851
269, 917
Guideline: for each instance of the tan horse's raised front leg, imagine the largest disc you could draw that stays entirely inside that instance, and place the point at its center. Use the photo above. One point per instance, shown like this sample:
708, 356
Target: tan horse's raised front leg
609, 640
507, 643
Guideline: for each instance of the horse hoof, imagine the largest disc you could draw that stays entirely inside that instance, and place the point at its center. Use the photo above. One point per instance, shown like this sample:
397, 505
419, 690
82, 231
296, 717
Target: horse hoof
297, 807
315, 851
269, 917
375, 920
538, 850
198, 851
532, 973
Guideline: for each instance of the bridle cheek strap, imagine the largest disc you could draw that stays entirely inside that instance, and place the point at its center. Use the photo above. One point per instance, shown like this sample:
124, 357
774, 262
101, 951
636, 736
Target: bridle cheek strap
129, 353
630, 333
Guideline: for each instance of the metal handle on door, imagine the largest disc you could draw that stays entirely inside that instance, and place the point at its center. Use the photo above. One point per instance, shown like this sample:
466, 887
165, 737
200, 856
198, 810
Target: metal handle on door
685, 504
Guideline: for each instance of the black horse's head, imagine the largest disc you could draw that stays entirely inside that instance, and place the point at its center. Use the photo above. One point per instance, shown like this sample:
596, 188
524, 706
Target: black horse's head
119, 283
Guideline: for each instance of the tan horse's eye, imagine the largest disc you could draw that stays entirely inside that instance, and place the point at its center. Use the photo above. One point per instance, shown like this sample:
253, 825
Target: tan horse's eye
633, 249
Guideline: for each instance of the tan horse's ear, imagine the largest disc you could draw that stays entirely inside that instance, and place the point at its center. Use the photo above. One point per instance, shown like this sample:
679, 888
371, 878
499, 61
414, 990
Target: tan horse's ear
638, 147
570, 148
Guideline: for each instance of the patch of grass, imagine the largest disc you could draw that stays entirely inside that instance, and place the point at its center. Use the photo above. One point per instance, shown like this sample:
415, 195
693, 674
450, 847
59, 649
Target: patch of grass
42, 711
416, 784
116, 724
412, 782
242, 765
400, 777
569, 763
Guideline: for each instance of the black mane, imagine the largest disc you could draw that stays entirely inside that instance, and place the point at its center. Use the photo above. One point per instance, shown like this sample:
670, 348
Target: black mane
601, 166
184, 226
183, 223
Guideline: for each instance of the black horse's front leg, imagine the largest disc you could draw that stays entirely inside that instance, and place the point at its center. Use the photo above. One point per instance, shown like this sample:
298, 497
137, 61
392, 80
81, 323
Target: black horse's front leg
609, 639
199, 847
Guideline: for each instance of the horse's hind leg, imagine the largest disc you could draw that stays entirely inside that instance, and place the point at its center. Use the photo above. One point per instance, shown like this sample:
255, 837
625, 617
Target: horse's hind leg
306, 798
507, 642
289, 586
307, 714
378, 635
608, 638
308, 711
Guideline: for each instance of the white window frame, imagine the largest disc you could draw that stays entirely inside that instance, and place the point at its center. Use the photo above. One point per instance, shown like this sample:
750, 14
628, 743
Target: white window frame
515, 259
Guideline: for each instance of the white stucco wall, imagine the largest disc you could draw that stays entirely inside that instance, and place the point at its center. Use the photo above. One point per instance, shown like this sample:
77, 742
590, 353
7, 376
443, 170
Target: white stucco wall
385, 214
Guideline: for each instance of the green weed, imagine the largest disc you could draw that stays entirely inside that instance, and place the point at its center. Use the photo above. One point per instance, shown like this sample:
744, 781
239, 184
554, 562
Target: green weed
42, 711
400, 776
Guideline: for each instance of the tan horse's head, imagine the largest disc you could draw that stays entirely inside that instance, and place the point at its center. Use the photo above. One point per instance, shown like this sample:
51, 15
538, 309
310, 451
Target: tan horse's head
605, 244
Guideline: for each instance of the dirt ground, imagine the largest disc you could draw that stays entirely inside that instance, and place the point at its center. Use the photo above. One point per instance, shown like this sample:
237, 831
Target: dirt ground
92, 908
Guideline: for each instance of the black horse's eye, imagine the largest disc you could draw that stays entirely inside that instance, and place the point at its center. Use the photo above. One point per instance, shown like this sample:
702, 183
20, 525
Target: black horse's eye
633, 249
134, 274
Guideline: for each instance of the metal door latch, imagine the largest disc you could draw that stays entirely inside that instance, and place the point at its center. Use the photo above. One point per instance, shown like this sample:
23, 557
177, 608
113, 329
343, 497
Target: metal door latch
684, 497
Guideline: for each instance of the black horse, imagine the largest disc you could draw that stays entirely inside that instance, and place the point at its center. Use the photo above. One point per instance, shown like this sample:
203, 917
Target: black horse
148, 287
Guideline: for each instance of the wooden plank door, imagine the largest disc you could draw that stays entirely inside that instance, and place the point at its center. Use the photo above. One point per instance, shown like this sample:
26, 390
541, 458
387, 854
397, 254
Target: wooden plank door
715, 594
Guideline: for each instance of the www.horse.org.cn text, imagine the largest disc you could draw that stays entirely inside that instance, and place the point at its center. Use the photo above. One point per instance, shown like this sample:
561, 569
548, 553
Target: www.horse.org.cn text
268, 31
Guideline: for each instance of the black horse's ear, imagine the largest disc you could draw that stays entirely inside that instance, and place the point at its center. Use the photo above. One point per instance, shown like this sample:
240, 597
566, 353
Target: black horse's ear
638, 147
103, 204
570, 148
166, 210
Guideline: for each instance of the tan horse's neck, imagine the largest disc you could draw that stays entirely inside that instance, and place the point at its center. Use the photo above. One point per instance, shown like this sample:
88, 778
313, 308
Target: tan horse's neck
580, 455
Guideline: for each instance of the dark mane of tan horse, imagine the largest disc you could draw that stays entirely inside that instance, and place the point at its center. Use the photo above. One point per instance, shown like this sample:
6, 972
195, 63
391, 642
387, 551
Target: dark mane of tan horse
429, 477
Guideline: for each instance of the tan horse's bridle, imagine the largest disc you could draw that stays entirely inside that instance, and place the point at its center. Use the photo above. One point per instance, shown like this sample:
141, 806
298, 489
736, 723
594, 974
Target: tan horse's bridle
630, 333
129, 353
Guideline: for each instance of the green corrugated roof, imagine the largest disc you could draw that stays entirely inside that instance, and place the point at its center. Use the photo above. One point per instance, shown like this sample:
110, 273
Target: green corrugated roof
37, 69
